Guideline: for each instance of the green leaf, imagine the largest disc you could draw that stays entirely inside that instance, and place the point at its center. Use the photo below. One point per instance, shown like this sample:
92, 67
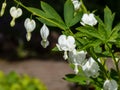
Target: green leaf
114, 33
108, 19
102, 32
50, 12
68, 12
92, 43
76, 18
44, 18
97, 49
90, 31
101, 29
76, 79
55, 49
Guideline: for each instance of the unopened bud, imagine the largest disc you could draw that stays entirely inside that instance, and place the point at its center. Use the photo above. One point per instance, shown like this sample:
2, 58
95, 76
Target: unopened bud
12, 23
28, 36
3, 9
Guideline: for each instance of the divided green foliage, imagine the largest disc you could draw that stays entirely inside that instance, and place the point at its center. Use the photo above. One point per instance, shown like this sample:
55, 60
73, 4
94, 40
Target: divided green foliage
90, 32
50, 12
114, 33
89, 36
108, 19
69, 14
48, 16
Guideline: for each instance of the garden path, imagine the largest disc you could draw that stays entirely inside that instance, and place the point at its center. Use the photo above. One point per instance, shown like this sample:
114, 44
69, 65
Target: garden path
50, 72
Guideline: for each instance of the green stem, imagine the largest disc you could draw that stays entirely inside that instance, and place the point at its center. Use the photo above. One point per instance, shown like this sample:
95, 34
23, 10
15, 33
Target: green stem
115, 62
40, 15
103, 69
83, 6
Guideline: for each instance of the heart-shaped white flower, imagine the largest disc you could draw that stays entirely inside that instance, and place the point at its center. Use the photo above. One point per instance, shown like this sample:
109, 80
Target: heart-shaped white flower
15, 13
110, 85
66, 44
44, 32
88, 19
77, 58
30, 25
91, 68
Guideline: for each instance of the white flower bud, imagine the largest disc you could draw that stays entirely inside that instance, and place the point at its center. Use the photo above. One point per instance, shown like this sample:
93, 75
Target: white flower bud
29, 26
12, 23
3, 8
44, 32
28, 36
44, 43
76, 4
110, 85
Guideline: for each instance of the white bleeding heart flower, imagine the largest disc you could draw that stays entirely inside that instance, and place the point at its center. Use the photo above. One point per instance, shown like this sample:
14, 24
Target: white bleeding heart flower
44, 32
88, 19
77, 58
110, 85
76, 4
91, 68
30, 25
15, 13
66, 44
4, 4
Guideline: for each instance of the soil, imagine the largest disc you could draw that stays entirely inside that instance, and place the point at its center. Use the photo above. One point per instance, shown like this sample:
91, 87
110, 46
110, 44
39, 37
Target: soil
50, 72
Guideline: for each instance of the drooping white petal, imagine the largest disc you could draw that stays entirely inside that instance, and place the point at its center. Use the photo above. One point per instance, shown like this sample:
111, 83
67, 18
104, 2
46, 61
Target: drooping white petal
91, 68
88, 19
66, 43
110, 85
29, 24
28, 36
62, 39
62, 43
44, 32
44, 43
65, 56
15, 12
12, 23
77, 57
76, 69
71, 43
76, 4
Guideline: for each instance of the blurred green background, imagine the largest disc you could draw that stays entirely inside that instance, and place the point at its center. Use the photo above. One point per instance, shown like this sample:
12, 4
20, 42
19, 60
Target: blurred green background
13, 42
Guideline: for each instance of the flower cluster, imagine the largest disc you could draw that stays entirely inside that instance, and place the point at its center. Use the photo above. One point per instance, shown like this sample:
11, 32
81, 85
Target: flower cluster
30, 25
86, 47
